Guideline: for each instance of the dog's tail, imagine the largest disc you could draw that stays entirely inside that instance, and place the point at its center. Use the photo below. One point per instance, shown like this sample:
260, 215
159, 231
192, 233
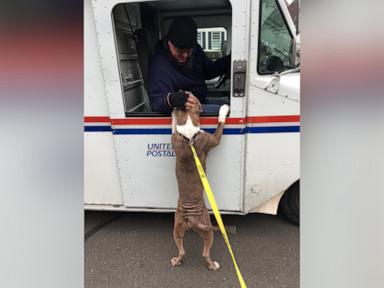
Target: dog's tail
198, 225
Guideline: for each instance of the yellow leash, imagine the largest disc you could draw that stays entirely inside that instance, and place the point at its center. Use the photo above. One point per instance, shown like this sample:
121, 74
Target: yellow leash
216, 212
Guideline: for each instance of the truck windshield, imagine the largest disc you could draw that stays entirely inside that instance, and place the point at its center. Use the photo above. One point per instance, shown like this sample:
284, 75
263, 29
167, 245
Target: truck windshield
275, 42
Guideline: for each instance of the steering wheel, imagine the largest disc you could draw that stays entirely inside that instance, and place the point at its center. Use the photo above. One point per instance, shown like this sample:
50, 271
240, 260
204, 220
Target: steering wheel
223, 77
221, 80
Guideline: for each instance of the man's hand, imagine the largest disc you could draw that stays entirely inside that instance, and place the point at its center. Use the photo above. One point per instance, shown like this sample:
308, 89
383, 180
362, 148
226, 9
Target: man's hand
191, 101
182, 99
178, 99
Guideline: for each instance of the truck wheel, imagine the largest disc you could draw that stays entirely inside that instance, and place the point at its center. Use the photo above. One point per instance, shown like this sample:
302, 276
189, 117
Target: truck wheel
289, 204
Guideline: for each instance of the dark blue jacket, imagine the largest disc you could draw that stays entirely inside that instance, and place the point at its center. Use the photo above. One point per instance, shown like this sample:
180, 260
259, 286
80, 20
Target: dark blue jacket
167, 75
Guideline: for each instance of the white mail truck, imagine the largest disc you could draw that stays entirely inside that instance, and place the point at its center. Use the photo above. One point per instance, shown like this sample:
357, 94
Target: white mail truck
129, 160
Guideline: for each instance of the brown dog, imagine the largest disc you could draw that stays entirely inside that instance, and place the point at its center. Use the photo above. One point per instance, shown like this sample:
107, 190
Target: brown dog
191, 211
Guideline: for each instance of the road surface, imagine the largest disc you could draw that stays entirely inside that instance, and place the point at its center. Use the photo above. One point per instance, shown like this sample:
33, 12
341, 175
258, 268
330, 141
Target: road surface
134, 250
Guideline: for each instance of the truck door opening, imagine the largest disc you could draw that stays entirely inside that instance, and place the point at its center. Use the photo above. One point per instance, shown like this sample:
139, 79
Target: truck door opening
139, 26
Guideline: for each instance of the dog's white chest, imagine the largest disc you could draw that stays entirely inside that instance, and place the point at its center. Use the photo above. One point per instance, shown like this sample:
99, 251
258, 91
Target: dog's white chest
188, 129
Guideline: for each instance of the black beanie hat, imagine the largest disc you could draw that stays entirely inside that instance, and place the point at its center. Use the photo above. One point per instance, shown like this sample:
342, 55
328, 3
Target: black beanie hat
183, 32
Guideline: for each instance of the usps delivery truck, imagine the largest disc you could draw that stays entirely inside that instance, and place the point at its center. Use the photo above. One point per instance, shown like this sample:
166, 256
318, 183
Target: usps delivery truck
129, 160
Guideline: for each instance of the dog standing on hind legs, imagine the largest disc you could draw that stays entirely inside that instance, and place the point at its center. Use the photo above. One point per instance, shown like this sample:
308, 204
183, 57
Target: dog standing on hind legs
191, 212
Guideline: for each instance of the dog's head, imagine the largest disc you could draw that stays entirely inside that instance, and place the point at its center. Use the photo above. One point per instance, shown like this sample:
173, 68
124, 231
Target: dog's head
193, 113
187, 121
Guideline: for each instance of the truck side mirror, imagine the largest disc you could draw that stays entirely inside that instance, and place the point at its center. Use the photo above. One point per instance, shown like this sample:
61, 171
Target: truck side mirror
295, 52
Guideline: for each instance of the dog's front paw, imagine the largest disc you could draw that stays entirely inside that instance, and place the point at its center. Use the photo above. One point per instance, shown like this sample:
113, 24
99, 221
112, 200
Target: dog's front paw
224, 109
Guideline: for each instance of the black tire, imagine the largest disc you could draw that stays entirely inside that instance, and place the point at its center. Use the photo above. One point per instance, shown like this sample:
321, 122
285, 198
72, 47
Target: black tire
289, 204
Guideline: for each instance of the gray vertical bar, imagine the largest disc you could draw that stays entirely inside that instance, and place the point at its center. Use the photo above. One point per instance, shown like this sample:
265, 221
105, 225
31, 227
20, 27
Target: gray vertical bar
203, 40
209, 40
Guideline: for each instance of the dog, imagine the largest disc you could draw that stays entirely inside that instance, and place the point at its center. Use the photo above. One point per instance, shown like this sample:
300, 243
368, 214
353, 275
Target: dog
191, 212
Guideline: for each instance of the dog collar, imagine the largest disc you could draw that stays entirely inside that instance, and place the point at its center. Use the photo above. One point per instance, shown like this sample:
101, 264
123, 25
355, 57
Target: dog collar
189, 141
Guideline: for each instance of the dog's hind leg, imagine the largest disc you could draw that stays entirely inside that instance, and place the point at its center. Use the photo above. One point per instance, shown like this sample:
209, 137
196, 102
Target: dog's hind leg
178, 234
207, 237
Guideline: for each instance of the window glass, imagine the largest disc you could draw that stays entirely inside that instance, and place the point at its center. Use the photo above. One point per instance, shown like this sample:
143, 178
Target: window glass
275, 41
216, 40
213, 41
199, 38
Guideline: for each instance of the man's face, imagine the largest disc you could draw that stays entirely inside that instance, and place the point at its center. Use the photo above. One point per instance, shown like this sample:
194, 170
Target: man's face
181, 55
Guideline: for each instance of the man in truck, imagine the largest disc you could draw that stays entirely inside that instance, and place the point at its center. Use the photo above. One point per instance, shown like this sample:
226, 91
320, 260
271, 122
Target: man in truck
179, 68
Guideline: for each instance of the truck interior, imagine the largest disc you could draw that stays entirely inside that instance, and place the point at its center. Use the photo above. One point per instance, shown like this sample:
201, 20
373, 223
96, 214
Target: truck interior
139, 26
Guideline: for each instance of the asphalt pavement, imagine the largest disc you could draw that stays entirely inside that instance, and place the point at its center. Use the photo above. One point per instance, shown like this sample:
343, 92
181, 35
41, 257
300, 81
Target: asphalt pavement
134, 250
